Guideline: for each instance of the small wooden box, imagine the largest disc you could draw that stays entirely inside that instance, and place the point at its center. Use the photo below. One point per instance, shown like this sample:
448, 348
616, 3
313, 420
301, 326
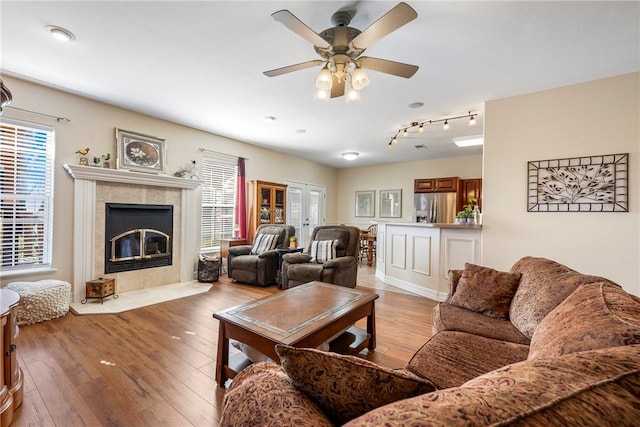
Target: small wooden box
100, 288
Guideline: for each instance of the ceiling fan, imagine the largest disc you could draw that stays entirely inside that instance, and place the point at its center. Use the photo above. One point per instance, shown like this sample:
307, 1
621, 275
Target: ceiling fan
340, 48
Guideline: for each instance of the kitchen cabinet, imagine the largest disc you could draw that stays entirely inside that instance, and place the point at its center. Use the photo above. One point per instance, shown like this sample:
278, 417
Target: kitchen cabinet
470, 188
436, 185
269, 205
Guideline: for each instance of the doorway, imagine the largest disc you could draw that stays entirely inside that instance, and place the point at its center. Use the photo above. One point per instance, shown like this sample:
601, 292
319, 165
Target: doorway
305, 209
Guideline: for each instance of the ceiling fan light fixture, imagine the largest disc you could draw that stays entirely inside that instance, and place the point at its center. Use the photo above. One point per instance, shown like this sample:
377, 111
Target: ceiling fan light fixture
352, 95
350, 155
324, 80
321, 95
359, 78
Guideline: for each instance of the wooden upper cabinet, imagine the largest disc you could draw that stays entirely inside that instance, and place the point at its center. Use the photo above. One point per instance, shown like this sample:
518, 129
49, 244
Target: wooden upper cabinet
436, 185
470, 188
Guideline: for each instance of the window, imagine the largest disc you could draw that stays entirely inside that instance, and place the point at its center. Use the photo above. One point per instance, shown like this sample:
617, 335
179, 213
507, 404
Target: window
219, 184
26, 196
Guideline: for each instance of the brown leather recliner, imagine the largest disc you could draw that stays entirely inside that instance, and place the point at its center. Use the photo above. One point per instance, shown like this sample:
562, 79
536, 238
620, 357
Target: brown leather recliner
261, 269
297, 268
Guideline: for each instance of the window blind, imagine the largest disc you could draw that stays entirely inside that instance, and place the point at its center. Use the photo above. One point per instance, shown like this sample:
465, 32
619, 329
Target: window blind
219, 184
26, 195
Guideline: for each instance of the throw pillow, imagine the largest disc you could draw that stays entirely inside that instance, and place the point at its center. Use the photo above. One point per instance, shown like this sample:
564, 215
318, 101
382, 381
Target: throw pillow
346, 387
485, 290
594, 316
323, 250
263, 243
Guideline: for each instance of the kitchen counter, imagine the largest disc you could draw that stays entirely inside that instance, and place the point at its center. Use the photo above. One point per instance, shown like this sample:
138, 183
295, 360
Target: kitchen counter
417, 257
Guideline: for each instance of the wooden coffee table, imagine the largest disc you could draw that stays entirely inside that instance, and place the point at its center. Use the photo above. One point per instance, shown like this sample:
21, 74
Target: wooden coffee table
305, 316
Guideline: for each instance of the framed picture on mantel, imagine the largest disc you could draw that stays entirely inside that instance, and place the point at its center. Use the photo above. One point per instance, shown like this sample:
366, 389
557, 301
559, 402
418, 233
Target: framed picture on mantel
141, 153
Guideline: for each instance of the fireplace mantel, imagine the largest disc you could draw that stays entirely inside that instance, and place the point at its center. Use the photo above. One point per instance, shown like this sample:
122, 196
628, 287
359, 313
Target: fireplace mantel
84, 212
93, 173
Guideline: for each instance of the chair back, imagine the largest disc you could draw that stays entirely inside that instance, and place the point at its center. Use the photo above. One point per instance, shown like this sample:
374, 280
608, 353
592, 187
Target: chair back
283, 231
346, 235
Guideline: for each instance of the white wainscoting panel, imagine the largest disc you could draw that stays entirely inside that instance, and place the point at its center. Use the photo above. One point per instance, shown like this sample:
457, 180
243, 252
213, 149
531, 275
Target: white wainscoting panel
399, 251
421, 259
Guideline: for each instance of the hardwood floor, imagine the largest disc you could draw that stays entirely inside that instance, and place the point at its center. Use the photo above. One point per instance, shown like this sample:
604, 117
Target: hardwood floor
156, 365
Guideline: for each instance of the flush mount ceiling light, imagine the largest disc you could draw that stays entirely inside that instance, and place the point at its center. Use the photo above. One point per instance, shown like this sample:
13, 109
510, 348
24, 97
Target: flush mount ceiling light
269, 119
421, 126
469, 141
350, 155
60, 33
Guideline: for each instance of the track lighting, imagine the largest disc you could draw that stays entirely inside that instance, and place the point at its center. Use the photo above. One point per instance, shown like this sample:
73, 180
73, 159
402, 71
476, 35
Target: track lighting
405, 130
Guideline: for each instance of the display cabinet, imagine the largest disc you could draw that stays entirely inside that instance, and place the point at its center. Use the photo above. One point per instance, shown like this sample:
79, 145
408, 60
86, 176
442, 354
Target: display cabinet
269, 205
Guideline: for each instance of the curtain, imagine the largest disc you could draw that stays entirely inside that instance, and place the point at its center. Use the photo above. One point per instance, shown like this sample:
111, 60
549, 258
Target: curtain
241, 200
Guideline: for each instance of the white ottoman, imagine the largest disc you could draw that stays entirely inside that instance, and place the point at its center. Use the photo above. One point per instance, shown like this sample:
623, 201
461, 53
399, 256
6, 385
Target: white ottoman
41, 300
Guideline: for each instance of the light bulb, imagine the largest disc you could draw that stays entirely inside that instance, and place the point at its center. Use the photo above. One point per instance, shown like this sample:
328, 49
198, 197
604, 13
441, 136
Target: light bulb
324, 80
445, 126
394, 140
405, 132
472, 120
359, 78
321, 95
352, 95
421, 128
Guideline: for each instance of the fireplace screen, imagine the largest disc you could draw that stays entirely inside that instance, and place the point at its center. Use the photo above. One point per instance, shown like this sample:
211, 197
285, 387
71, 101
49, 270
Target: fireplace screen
139, 244
137, 236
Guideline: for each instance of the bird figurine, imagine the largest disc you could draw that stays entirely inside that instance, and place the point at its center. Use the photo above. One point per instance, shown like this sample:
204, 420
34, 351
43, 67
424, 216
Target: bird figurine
106, 157
83, 151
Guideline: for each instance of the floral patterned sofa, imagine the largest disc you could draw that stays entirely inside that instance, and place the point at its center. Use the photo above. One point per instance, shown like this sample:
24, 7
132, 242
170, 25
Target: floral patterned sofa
540, 345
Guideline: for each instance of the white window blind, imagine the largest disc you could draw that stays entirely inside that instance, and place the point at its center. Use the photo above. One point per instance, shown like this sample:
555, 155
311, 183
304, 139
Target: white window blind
219, 183
26, 195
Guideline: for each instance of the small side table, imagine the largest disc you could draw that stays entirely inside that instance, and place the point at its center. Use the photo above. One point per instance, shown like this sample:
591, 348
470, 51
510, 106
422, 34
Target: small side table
281, 252
100, 289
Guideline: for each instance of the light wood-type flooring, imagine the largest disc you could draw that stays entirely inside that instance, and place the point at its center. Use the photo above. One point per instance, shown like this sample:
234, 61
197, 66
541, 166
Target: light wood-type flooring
155, 366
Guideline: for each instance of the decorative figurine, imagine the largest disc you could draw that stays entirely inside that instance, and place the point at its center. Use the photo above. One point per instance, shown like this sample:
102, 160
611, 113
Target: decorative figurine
84, 161
105, 160
96, 160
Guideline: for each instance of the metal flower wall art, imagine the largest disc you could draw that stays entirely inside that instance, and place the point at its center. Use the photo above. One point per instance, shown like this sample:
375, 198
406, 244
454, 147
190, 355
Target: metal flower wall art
579, 184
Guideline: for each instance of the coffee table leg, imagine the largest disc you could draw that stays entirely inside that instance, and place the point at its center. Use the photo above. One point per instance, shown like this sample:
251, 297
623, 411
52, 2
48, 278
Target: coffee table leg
371, 327
222, 361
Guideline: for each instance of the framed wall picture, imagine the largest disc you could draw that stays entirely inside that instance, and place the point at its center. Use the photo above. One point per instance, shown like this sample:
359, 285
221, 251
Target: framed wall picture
138, 152
390, 204
365, 203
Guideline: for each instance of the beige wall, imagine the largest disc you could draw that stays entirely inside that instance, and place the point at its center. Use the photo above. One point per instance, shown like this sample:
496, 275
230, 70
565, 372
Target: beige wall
599, 117
393, 177
92, 125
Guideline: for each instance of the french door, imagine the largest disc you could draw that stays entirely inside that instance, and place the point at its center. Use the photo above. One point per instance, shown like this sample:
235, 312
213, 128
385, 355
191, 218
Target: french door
305, 209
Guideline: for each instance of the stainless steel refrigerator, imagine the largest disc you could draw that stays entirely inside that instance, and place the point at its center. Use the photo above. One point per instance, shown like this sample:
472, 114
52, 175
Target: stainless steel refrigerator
435, 207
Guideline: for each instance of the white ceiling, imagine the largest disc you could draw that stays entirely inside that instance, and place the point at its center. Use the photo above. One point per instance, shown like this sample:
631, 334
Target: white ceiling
200, 64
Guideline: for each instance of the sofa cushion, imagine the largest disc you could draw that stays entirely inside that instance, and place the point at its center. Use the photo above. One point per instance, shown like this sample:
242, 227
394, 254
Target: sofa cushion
346, 387
595, 388
485, 290
323, 250
451, 358
544, 285
447, 317
263, 395
597, 315
264, 243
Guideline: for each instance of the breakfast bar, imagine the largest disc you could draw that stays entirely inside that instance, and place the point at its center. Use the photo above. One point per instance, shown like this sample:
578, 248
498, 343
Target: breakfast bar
417, 257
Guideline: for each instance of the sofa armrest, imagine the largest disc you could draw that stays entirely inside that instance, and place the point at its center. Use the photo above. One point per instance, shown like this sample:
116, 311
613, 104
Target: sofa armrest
240, 250
341, 262
269, 254
297, 258
262, 394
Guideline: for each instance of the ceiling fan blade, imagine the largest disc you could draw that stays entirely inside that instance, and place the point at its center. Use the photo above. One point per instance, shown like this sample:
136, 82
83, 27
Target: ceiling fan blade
291, 68
389, 67
290, 21
337, 88
400, 15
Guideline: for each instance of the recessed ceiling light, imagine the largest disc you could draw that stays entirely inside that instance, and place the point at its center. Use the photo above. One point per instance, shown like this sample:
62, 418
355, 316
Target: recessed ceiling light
60, 33
351, 155
416, 105
301, 131
269, 119
469, 141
